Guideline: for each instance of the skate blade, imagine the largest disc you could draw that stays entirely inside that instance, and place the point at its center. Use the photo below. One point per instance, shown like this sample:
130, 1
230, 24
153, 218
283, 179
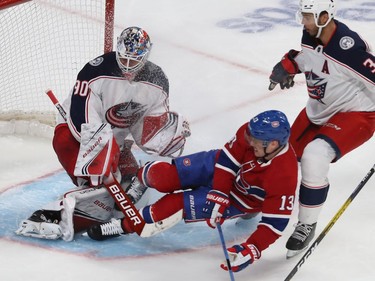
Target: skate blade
292, 253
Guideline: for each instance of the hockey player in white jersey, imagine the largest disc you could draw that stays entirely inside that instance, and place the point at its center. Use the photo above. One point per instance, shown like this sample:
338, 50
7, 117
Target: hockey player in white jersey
117, 96
340, 113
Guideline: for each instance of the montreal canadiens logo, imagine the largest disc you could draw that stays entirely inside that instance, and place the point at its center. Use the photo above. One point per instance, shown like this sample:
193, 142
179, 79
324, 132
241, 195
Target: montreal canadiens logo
186, 162
275, 124
346, 42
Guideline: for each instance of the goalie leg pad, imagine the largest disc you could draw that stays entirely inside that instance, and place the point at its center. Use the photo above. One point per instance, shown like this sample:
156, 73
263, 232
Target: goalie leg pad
88, 206
98, 154
84, 207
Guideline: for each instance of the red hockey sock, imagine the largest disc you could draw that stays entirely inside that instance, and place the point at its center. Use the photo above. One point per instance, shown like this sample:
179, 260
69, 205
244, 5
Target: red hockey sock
126, 226
167, 206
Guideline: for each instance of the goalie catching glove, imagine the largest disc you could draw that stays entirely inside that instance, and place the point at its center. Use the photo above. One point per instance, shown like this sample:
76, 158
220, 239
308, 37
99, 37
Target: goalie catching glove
284, 71
165, 134
240, 256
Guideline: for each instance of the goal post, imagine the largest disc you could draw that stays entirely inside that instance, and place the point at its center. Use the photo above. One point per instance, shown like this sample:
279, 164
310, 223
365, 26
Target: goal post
44, 43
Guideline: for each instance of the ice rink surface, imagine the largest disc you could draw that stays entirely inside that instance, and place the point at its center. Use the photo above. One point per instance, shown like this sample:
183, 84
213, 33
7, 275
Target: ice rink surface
217, 56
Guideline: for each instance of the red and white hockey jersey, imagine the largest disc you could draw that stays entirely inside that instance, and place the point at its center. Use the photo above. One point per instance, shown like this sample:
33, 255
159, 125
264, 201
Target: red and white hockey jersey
257, 186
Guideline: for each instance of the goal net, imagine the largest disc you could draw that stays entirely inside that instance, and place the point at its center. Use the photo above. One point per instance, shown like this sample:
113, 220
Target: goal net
44, 43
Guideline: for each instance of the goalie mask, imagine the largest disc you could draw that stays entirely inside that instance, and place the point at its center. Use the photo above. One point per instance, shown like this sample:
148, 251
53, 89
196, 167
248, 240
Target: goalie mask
133, 48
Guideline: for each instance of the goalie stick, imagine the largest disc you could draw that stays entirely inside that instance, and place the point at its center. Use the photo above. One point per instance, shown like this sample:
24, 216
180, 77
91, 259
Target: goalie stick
122, 200
330, 224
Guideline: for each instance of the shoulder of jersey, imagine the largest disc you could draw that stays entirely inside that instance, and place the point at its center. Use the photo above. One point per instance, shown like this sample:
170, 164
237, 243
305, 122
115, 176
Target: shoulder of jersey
343, 44
153, 74
348, 48
104, 65
345, 40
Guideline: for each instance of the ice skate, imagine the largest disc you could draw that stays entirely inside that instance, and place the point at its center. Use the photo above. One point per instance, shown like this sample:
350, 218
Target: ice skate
135, 190
300, 239
106, 231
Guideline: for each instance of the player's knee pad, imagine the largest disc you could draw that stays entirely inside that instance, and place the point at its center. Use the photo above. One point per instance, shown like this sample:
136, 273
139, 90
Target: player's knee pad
315, 161
161, 176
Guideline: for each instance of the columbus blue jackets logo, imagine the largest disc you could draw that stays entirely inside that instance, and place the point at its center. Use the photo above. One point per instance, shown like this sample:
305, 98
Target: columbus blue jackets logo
96, 62
316, 86
346, 42
125, 114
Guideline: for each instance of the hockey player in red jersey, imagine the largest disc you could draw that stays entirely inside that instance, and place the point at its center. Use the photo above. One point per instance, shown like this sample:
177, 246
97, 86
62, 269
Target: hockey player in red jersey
340, 112
255, 172
117, 96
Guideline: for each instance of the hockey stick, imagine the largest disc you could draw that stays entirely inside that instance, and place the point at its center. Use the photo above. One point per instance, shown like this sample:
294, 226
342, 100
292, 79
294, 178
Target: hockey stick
330, 224
225, 251
122, 200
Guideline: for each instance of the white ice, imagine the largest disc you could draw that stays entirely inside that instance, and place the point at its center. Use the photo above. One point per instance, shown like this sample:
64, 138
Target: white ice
218, 79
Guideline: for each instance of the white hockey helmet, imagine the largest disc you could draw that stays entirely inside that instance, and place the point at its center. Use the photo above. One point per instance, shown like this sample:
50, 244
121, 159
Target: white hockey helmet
316, 7
133, 48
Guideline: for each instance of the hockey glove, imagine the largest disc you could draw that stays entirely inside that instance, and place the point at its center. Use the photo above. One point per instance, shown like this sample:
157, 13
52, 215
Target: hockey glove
240, 256
284, 71
216, 204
